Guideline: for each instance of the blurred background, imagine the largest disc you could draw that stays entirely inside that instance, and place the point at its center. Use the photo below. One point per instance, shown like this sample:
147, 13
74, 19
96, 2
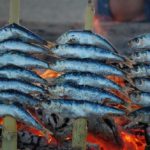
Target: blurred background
117, 20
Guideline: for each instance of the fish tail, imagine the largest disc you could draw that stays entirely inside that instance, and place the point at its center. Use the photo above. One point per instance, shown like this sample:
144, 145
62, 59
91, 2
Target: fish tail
128, 106
50, 44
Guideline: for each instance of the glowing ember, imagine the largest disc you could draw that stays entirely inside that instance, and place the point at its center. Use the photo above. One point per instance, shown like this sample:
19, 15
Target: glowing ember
49, 74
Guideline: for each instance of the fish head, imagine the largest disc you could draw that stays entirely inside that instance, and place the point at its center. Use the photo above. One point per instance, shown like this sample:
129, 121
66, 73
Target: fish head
54, 48
137, 70
62, 39
68, 37
136, 56
138, 42
135, 97
138, 82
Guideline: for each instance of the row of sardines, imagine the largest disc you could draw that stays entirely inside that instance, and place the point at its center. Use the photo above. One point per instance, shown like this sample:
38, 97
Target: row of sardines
84, 89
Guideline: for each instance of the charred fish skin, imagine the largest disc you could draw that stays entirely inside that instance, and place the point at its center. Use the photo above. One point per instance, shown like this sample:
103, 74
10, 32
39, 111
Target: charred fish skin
72, 108
141, 56
140, 42
19, 113
21, 59
140, 70
16, 72
85, 65
16, 31
140, 98
85, 51
26, 87
14, 44
143, 84
14, 96
84, 37
87, 78
80, 92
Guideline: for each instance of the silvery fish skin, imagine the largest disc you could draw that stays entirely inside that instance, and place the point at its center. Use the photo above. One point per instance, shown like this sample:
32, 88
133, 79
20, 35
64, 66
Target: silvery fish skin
80, 92
140, 98
85, 51
26, 87
16, 72
76, 109
141, 56
20, 114
11, 96
15, 31
140, 70
87, 78
13, 44
84, 37
139, 42
21, 59
85, 65
143, 84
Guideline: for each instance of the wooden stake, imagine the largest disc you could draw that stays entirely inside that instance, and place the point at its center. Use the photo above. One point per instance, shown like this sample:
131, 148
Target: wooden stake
79, 134
80, 131
14, 11
89, 16
9, 132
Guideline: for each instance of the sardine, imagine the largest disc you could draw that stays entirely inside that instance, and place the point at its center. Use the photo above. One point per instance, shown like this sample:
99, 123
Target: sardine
85, 37
20, 114
11, 96
16, 72
21, 59
141, 56
141, 41
15, 31
75, 109
140, 70
87, 78
26, 87
80, 92
140, 98
13, 44
85, 65
143, 84
85, 51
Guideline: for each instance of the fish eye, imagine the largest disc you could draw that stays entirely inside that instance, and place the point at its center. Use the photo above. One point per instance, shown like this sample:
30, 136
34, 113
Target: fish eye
137, 40
137, 54
137, 69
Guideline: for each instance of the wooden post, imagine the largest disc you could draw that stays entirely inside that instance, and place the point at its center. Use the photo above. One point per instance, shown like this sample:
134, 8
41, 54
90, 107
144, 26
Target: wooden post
89, 16
80, 131
14, 11
9, 132
79, 134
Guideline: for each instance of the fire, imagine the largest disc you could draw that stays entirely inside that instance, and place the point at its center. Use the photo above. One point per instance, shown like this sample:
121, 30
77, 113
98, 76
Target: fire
130, 142
49, 74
